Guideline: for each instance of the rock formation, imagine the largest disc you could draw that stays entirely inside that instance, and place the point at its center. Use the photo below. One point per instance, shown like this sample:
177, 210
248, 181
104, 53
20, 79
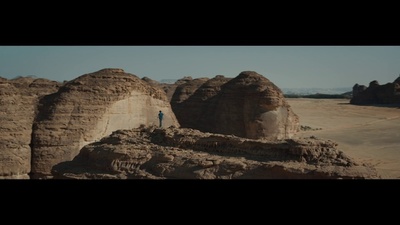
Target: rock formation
18, 107
184, 153
186, 87
88, 108
376, 94
189, 102
248, 105
169, 88
103, 125
358, 89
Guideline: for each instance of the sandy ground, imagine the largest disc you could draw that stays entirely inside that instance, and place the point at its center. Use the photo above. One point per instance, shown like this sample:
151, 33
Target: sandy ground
368, 134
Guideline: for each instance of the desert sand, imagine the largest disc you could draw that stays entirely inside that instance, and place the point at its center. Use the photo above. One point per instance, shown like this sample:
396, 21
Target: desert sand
368, 134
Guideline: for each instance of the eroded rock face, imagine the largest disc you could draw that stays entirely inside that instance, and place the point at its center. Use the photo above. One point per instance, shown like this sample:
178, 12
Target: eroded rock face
184, 153
88, 108
186, 88
248, 105
168, 88
193, 105
18, 107
376, 94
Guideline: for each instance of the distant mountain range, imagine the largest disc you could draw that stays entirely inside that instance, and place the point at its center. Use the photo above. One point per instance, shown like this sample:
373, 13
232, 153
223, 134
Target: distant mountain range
311, 91
295, 91
168, 81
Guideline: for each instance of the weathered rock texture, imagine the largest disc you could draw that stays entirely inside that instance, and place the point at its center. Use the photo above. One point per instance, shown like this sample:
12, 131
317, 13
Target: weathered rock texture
169, 88
104, 125
18, 107
184, 153
248, 105
88, 108
376, 94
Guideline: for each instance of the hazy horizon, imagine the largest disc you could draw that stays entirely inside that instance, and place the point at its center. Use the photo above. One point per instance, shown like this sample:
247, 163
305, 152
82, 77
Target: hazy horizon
285, 66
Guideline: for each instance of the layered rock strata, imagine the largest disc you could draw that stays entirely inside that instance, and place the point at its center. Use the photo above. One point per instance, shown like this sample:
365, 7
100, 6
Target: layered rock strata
184, 153
88, 108
18, 107
248, 105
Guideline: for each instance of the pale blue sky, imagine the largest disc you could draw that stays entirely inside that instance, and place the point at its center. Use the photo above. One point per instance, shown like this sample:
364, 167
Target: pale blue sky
285, 66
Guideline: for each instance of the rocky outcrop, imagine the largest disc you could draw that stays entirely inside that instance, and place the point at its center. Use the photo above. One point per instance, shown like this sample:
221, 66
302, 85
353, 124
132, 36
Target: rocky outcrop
169, 88
193, 105
248, 105
183, 153
185, 88
376, 94
18, 107
236, 128
86, 109
358, 89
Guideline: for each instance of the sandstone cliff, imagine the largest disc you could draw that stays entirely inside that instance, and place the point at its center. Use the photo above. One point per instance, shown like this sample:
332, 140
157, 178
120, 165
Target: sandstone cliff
18, 107
86, 109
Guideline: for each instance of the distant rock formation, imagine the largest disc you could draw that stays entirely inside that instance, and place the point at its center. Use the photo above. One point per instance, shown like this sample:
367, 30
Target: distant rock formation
168, 87
248, 105
18, 107
376, 94
185, 88
88, 108
184, 153
358, 89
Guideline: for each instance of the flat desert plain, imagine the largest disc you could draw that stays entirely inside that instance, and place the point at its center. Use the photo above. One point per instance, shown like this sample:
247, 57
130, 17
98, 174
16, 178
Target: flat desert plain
368, 134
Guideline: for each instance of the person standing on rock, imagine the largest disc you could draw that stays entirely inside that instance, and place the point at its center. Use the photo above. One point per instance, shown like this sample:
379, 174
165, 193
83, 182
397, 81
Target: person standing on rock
160, 117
